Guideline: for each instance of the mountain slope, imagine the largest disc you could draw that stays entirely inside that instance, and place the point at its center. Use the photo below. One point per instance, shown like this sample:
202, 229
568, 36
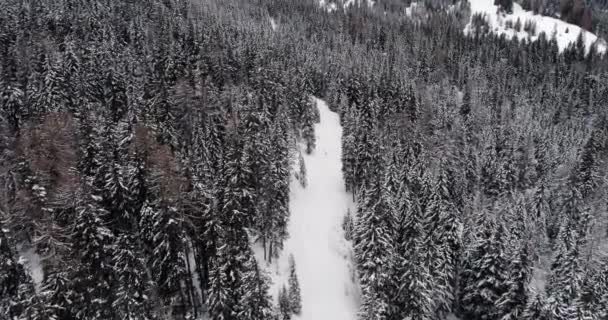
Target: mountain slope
503, 23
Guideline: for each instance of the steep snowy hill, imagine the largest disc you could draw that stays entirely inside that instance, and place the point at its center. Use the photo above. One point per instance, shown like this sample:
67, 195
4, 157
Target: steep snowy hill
316, 239
503, 23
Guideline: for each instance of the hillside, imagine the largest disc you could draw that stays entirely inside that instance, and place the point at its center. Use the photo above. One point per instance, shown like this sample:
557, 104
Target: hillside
523, 24
276, 160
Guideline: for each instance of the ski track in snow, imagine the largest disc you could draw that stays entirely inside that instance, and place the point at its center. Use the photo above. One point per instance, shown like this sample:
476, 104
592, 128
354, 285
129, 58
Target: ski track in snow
316, 239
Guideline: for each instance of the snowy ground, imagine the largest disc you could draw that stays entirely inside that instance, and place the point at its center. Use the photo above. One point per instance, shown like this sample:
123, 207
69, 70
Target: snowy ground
322, 255
565, 33
31, 260
331, 5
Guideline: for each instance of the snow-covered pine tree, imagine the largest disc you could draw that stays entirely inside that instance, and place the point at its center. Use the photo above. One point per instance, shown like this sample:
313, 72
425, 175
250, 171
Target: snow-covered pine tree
566, 277
308, 129
348, 225
132, 300
277, 190
302, 177
284, 306
414, 296
114, 180
295, 298
348, 149
93, 273
486, 276
56, 299
373, 250
255, 303
162, 233
373, 246
442, 220
221, 301
374, 307
536, 308
514, 301
226, 292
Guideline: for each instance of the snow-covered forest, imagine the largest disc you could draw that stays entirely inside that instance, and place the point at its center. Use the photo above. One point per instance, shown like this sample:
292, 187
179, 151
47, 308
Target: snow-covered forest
302, 159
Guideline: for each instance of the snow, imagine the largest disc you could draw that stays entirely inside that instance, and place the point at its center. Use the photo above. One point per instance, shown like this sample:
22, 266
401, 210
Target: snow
323, 257
331, 6
31, 260
410, 8
273, 24
564, 33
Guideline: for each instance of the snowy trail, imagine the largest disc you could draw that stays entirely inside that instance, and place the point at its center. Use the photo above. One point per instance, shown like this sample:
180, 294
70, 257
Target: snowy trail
316, 238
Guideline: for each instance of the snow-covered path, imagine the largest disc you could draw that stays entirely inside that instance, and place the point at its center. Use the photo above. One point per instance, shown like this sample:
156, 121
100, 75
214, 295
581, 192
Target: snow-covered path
316, 238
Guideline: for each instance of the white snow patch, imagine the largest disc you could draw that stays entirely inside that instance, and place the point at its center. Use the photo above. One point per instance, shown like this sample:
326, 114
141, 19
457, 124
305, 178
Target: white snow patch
539, 280
316, 239
196, 281
564, 33
410, 8
31, 260
328, 6
273, 24
332, 5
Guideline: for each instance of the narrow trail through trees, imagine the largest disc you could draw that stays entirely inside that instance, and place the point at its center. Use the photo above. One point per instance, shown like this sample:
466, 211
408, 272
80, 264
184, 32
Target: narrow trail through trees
322, 255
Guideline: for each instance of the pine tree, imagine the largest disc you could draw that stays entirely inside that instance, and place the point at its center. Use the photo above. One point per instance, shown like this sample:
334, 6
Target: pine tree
348, 226
162, 233
486, 277
92, 279
132, 301
57, 297
415, 281
536, 309
443, 222
373, 251
294, 288
514, 301
308, 129
284, 306
302, 172
220, 300
373, 246
256, 303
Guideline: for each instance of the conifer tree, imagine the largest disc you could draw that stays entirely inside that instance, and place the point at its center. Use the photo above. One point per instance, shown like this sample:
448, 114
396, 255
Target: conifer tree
373, 251
308, 129
132, 299
348, 226
256, 303
295, 299
302, 172
220, 300
536, 308
486, 277
514, 301
284, 306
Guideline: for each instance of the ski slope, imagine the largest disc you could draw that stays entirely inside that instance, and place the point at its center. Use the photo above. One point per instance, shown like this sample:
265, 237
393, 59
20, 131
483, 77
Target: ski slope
565, 33
316, 239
